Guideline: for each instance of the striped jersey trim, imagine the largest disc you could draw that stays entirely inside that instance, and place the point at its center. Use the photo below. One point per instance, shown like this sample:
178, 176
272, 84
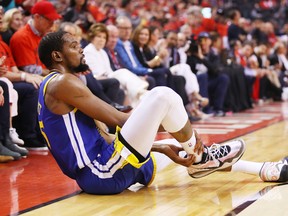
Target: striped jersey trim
107, 170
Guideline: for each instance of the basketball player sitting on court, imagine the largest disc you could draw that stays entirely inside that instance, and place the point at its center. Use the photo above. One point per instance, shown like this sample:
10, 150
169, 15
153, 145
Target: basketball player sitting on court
67, 113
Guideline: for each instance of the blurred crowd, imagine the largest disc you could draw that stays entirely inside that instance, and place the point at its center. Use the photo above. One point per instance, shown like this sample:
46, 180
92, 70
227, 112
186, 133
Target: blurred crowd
219, 56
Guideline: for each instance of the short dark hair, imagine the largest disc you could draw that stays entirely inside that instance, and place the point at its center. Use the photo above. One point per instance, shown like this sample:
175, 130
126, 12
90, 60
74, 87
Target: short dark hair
124, 3
232, 13
51, 42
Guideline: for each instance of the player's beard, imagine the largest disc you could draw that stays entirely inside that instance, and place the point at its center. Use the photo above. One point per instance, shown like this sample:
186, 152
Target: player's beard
81, 68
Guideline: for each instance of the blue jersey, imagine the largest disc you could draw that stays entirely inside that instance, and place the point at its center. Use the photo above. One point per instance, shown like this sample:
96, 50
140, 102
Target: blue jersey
84, 155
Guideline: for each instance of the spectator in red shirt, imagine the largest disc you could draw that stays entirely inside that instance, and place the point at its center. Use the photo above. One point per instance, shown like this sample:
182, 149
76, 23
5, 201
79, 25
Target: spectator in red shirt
24, 43
106, 13
197, 22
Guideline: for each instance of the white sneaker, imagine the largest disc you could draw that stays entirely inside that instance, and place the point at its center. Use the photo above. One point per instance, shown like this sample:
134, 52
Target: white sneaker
274, 172
15, 137
217, 157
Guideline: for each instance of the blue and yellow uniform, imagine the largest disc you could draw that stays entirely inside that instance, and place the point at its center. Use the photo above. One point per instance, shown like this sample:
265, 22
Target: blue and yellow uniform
84, 155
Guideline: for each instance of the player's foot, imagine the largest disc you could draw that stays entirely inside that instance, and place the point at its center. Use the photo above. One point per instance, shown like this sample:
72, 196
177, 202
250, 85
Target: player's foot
217, 157
274, 172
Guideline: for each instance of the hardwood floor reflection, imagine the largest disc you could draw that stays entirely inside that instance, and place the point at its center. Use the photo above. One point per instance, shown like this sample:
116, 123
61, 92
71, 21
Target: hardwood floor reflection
32, 181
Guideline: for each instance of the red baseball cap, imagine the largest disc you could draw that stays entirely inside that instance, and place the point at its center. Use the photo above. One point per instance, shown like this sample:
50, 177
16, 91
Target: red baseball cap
46, 9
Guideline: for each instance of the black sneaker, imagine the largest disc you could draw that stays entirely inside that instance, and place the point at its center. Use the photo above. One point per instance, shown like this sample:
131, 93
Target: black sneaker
219, 113
6, 152
34, 144
193, 118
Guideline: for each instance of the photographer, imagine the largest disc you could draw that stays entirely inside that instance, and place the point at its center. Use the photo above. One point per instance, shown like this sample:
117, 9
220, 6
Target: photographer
213, 84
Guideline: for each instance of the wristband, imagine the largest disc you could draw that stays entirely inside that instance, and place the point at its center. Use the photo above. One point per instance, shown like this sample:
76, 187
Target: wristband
23, 76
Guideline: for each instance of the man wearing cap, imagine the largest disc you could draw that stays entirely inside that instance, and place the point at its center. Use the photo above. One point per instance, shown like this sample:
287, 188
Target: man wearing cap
24, 43
24, 47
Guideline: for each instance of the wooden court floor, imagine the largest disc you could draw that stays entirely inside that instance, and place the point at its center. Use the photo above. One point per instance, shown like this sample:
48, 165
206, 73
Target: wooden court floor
36, 186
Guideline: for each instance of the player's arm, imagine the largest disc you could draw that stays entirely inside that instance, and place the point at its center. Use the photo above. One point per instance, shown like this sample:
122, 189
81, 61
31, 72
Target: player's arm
70, 90
172, 152
102, 128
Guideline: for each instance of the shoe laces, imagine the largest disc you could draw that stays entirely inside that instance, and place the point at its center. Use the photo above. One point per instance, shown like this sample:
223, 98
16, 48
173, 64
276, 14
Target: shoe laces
217, 151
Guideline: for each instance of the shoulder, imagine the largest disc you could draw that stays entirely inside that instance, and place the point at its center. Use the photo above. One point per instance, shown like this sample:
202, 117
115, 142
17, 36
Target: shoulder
119, 48
63, 93
103, 52
119, 43
67, 78
107, 51
90, 47
69, 11
135, 46
64, 83
4, 45
22, 35
24, 31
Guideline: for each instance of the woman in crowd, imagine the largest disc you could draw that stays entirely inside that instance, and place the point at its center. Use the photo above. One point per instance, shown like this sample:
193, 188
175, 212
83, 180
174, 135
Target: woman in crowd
12, 21
153, 58
99, 63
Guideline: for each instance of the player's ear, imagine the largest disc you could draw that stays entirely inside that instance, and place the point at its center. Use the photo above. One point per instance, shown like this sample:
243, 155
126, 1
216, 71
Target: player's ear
56, 56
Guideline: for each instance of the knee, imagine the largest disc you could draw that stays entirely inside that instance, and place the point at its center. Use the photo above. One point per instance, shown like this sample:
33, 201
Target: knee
4, 86
24, 87
179, 80
165, 95
161, 71
186, 67
151, 82
126, 71
8, 82
115, 83
202, 77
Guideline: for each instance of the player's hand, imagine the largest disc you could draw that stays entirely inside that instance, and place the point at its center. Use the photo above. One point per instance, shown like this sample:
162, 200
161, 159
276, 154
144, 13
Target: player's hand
2, 60
1, 96
172, 152
199, 146
3, 70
